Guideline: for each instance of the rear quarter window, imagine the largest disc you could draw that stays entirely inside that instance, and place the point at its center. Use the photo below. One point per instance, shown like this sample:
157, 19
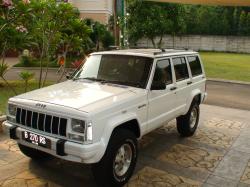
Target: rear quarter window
195, 65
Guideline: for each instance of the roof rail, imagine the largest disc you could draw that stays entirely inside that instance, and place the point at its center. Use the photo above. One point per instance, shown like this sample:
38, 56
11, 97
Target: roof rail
165, 50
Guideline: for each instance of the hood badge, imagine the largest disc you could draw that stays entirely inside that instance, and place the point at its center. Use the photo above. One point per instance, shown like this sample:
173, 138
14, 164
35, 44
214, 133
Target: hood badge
40, 105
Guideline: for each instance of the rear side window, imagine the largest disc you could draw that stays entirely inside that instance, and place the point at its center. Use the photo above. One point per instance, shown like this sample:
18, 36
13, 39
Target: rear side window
180, 67
163, 72
195, 65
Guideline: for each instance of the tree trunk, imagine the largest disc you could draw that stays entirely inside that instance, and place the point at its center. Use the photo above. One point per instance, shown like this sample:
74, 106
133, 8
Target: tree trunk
153, 42
160, 42
46, 72
41, 66
47, 65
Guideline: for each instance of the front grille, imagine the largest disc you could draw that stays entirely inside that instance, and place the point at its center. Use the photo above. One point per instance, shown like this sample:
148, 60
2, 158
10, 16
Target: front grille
43, 122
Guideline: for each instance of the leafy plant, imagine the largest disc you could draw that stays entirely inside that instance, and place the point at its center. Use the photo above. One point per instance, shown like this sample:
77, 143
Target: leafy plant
26, 76
100, 35
26, 61
3, 69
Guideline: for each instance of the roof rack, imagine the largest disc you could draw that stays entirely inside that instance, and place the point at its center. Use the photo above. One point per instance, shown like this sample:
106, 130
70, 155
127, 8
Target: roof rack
165, 50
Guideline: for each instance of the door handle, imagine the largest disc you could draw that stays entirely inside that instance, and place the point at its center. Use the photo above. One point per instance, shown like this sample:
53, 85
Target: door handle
173, 88
141, 106
190, 82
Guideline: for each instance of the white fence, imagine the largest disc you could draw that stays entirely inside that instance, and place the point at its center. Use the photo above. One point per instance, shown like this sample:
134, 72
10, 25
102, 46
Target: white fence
236, 44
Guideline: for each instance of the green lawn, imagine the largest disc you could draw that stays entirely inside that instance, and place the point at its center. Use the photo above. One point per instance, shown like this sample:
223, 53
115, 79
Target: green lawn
227, 65
6, 93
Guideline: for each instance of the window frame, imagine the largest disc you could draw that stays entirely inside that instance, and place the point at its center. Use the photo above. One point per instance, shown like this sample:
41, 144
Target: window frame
151, 77
170, 63
202, 68
187, 65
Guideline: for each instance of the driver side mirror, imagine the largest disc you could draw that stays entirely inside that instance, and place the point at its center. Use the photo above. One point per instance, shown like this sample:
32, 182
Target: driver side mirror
158, 86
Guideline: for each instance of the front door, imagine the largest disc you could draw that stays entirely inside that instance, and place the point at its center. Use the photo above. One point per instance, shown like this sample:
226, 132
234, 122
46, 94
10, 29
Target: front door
161, 102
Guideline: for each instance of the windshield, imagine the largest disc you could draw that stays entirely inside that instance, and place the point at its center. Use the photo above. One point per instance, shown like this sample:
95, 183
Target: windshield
117, 69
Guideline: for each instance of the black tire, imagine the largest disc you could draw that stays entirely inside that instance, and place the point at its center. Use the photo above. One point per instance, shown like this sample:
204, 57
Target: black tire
104, 171
34, 153
185, 126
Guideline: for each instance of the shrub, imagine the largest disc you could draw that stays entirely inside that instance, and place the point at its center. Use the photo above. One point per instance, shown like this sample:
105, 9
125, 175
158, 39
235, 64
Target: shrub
26, 61
26, 76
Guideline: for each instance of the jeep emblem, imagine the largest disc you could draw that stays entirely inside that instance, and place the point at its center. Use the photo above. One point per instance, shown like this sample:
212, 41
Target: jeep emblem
40, 105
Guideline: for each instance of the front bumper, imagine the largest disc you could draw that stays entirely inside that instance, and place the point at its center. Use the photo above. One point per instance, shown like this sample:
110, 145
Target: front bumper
63, 149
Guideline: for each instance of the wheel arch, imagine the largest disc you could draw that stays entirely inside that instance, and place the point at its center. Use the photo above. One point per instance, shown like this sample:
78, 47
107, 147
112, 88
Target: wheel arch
128, 121
196, 95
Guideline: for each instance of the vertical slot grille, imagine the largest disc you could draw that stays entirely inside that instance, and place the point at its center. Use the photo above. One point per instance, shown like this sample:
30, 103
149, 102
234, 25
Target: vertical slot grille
40, 122
47, 123
63, 126
34, 120
23, 117
29, 118
55, 125
18, 115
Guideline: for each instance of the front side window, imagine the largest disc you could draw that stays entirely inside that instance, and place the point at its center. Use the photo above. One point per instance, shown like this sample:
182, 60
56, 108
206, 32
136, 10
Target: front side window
180, 67
195, 65
163, 72
117, 69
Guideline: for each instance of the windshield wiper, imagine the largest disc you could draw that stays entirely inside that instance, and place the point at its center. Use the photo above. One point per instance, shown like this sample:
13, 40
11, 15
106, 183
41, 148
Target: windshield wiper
134, 84
92, 79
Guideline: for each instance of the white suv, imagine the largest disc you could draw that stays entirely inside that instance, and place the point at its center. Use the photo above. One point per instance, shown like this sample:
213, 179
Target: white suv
113, 100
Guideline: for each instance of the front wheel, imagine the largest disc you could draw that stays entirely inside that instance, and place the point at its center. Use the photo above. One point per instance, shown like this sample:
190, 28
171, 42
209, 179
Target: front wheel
187, 124
119, 161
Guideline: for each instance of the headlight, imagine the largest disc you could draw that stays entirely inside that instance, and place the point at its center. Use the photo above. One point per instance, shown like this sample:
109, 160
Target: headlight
12, 109
81, 131
78, 125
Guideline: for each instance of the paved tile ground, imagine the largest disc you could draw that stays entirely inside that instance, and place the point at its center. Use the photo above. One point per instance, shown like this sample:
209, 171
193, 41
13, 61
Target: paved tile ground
217, 155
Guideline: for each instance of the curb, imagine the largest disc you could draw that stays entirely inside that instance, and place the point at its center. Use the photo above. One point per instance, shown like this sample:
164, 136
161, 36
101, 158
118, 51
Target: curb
2, 119
229, 81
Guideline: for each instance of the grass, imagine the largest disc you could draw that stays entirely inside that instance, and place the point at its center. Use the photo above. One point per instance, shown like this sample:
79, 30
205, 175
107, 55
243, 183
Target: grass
6, 93
228, 66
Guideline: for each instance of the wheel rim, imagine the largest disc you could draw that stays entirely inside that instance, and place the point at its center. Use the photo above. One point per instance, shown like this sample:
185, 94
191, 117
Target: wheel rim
193, 117
122, 160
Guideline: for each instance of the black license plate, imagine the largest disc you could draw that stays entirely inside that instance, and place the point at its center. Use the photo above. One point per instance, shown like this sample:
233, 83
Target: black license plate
36, 139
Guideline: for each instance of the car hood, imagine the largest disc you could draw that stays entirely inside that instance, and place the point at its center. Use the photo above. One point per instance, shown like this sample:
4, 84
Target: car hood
80, 94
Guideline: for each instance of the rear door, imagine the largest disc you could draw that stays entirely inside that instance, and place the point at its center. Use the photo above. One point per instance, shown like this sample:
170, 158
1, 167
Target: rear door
183, 80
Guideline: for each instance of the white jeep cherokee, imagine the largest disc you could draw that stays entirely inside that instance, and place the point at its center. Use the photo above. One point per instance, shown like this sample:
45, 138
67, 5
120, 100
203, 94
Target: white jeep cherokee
113, 100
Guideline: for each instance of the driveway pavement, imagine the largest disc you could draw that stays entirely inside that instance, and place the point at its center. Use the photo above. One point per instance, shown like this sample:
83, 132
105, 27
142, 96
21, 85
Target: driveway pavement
217, 155
228, 95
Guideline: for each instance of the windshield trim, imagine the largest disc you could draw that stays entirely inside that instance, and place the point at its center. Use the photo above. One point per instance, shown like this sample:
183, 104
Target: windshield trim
142, 86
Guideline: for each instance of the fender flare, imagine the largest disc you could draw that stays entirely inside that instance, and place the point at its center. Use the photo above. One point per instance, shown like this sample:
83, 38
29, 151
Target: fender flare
193, 94
112, 124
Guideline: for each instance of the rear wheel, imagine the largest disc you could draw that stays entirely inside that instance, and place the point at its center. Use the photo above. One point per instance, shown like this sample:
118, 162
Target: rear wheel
187, 124
34, 153
118, 163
